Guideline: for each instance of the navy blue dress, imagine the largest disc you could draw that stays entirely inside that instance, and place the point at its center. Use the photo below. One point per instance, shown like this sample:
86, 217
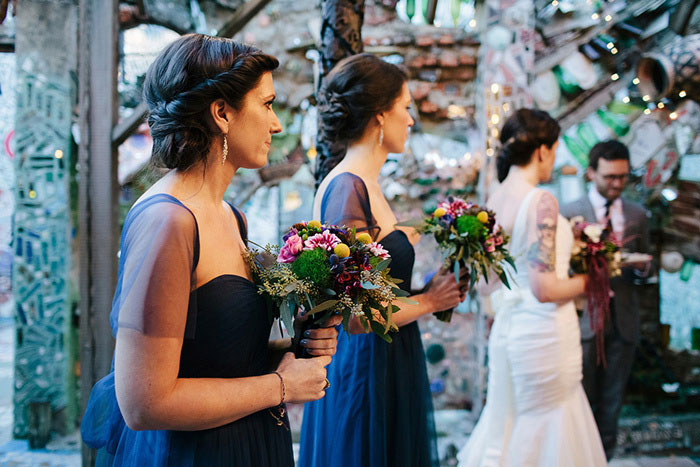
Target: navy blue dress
226, 336
378, 410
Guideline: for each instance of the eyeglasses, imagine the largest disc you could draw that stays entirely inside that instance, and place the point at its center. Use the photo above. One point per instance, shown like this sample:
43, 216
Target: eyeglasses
614, 177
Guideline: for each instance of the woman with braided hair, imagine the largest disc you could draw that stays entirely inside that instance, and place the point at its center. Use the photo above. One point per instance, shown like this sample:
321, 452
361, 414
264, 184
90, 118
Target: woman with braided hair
192, 380
378, 410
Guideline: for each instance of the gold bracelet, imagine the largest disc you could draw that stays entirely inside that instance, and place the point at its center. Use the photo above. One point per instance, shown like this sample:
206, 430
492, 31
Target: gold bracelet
281, 384
280, 409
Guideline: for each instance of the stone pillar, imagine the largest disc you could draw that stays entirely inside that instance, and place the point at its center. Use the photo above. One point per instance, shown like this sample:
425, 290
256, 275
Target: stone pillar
46, 48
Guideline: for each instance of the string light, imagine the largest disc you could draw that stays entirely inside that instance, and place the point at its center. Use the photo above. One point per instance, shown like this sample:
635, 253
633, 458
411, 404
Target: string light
495, 119
472, 23
494, 132
647, 111
32, 194
608, 18
673, 115
610, 45
489, 152
613, 50
615, 77
506, 107
595, 16
494, 88
635, 81
660, 105
682, 94
646, 98
58, 154
555, 3
626, 100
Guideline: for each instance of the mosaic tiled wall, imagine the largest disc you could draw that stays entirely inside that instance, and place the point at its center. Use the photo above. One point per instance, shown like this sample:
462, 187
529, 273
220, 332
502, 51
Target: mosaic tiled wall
7, 178
46, 58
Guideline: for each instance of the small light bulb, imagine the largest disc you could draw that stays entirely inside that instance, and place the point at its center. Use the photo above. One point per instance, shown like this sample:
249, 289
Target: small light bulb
489, 152
610, 45
660, 105
472, 23
495, 119
673, 115
494, 132
646, 98
635, 81
682, 94
626, 100
58, 154
615, 77
494, 88
647, 111
595, 16
608, 18
555, 3
613, 50
32, 194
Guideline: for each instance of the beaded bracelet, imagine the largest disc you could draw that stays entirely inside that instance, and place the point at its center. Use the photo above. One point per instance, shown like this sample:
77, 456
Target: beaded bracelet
280, 409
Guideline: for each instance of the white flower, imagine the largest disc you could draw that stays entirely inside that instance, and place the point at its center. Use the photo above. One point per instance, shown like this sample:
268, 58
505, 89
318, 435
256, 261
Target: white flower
576, 220
593, 232
617, 257
378, 250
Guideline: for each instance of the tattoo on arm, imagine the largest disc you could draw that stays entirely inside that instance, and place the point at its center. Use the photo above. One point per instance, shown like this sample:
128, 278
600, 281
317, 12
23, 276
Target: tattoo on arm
541, 253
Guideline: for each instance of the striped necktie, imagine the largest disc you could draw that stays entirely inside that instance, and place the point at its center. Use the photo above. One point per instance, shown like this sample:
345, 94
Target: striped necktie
608, 218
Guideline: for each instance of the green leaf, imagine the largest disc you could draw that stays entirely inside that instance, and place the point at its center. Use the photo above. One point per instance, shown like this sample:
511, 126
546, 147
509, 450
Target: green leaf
368, 285
383, 265
504, 279
444, 316
415, 223
455, 269
330, 292
323, 306
378, 329
399, 292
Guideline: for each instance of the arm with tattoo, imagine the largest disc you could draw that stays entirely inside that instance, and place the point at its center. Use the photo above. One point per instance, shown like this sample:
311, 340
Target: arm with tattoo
542, 252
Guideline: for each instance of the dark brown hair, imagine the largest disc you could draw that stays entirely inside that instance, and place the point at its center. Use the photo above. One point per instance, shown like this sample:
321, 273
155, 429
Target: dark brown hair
610, 150
524, 132
184, 80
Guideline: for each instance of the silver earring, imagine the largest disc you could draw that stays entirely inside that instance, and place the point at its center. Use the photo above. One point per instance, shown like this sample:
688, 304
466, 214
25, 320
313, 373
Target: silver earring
224, 152
381, 135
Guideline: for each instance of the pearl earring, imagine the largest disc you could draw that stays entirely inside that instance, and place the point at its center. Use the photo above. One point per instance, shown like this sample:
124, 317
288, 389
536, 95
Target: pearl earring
224, 151
381, 134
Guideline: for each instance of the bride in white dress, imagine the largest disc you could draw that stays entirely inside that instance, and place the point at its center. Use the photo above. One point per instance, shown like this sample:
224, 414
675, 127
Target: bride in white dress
536, 411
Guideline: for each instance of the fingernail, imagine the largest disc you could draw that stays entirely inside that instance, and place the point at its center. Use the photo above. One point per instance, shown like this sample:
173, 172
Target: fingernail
307, 333
304, 341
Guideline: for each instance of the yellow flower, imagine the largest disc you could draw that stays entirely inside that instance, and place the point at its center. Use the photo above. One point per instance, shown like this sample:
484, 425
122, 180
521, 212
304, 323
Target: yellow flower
342, 250
314, 224
364, 237
439, 212
483, 217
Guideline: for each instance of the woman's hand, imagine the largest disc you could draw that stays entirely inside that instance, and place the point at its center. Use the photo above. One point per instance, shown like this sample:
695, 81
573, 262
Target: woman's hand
304, 378
320, 341
444, 292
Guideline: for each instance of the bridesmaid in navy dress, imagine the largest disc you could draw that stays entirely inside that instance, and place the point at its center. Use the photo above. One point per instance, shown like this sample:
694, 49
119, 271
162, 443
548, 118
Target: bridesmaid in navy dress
378, 409
194, 379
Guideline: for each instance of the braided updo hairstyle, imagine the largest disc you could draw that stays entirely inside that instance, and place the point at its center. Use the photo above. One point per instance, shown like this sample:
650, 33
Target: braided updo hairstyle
357, 88
524, 132
184, 80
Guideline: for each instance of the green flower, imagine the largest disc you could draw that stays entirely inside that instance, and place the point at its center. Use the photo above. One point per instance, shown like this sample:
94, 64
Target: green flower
470, 225
313, 265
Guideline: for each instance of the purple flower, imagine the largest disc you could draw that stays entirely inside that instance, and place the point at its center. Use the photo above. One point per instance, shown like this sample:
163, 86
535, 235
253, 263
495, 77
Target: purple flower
291, 232
291, 249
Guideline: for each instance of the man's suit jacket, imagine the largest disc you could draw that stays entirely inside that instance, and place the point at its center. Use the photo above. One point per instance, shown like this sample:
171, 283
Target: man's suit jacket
636, 233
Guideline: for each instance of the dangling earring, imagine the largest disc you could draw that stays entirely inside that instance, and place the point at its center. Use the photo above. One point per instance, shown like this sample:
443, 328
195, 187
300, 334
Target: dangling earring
381, 134
224, 151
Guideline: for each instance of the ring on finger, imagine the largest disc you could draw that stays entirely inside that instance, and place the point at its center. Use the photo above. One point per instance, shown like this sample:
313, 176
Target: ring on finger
327, 384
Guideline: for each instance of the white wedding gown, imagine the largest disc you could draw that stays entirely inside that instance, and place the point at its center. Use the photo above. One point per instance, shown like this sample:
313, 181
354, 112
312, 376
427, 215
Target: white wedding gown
536, 411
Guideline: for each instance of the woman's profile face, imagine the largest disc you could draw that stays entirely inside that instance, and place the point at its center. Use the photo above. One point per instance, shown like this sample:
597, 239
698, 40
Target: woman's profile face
251, 128
397, 121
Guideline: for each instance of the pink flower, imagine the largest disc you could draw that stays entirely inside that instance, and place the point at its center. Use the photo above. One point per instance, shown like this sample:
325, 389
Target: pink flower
378, 250
325, 240
498, 240
291, 249
455, 208
489, 246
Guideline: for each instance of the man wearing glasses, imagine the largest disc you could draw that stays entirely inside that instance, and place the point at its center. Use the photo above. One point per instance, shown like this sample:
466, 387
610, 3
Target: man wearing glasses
608, 170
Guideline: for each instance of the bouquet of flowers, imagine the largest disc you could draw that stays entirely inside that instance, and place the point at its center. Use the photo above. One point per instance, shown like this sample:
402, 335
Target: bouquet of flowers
596, 252
469, 238
327, 270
